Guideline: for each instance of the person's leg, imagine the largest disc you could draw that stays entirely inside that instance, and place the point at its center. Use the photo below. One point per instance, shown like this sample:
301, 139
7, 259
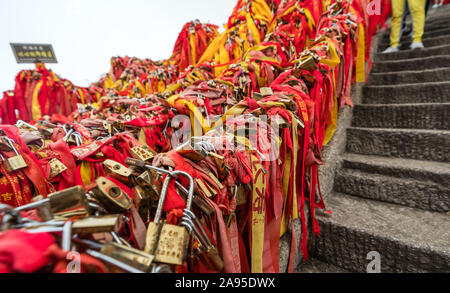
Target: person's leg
417, 8
396, 22
427, 6
405, 15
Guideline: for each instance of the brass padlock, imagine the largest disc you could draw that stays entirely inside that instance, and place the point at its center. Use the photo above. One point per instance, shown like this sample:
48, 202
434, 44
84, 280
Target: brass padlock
69, 202
128, 116
201, 204
14, 163
139, 196
152, 182
89, 225
62, 204
266, 91
190, 151
281, 122
56, 168
202, 187
141, 152
117, 170
44, 211
112, 198
307, 63
108, 127
130, 256
142, 202
169, 243
223, 168
240, 195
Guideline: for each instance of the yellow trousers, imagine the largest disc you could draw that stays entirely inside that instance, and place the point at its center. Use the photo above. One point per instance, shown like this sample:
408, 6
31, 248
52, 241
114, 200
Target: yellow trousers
417, 8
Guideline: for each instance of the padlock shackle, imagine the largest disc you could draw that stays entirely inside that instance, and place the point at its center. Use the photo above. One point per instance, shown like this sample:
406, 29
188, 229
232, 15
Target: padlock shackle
143, 164
33, 205
161, 269
113, 261
191, 187
11, 143
171, 175
162, 198
20, 123
43, 202
66, 243
5, 208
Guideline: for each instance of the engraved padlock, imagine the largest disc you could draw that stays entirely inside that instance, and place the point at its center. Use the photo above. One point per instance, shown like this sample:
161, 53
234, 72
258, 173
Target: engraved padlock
14, 163
141, 152
117, 170
169, 243
56, 168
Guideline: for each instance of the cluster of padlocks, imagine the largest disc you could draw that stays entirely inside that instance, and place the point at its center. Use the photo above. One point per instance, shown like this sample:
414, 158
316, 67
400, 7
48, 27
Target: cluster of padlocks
198, 163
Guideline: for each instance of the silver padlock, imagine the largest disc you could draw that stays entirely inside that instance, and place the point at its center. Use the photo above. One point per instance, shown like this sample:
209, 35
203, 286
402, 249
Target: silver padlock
14, 163
168, 243
23, 124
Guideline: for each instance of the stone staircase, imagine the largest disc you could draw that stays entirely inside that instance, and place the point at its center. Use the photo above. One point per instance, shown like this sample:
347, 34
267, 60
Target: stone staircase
392, 194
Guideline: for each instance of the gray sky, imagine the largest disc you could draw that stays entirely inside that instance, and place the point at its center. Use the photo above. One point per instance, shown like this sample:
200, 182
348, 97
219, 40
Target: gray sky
86, 33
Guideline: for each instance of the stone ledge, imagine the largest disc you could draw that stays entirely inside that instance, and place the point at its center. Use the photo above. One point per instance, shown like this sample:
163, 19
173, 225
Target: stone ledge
408, 240
420, 63
430, 92
401, 168
410, 116
407, 54
432, 145
425, 195
410, 76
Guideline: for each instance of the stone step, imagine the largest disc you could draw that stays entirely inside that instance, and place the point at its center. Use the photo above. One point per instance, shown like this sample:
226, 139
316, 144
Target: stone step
314, 265
410, 76
425, 195
410, 54
433, 23
407, 240
410, 116
432, 145
406, 39
435, 172
422, 63
436, 41
430, 92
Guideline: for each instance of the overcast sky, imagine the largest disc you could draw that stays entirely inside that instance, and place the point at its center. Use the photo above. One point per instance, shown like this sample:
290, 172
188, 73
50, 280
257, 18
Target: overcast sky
86, 33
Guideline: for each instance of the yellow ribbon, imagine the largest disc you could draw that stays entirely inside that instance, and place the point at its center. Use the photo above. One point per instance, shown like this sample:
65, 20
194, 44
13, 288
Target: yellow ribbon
258, 215
360, 59
35, 107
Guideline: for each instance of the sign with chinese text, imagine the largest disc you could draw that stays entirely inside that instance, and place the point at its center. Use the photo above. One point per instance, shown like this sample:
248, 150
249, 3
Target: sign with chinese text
33, 53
